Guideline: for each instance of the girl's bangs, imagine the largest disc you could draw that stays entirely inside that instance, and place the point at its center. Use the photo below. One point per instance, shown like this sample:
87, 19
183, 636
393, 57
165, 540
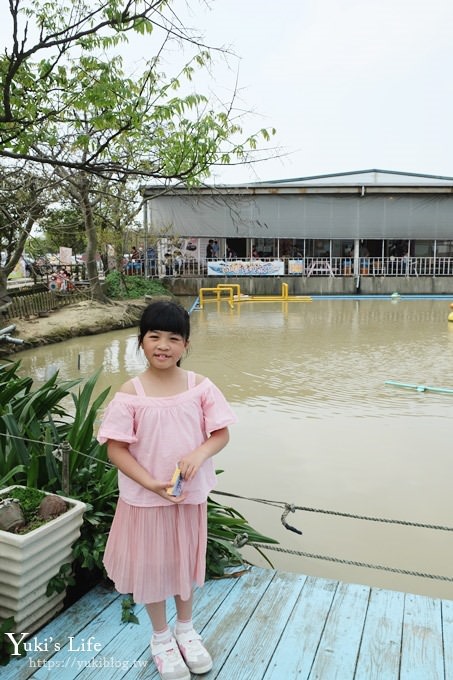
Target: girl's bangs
165, 317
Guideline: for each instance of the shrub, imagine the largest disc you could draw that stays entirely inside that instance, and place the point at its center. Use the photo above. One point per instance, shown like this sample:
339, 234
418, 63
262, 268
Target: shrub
119, 287
33, 424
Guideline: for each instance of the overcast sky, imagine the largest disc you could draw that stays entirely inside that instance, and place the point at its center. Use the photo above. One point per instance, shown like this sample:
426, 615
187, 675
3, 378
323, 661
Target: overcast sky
348, 84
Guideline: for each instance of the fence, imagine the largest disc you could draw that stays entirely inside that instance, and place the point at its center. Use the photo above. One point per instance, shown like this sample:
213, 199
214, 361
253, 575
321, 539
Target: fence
325, 266
41, 303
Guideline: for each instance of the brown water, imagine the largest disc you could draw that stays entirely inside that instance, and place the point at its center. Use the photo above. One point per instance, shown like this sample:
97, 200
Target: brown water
319, 428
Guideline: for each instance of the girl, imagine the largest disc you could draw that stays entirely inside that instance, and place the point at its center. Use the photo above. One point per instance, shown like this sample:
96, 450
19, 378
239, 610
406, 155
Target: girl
165, 418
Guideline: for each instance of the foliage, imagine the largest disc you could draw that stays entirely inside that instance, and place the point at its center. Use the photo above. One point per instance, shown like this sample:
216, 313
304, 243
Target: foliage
32, 424
61, 581
127, 610
227, 530
119, 287
68, 105
29, 500
22, 200
6, 645
34, 421
62, 226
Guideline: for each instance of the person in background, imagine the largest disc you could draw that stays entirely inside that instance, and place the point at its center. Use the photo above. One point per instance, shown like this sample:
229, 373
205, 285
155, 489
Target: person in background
178, 260
210, 250
166, 419
168, 261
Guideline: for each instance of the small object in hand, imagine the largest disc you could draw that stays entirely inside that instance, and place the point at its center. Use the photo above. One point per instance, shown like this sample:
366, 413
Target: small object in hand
176, 483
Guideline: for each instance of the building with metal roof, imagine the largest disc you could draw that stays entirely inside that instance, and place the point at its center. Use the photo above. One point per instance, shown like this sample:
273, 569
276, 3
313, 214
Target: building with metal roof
382, 215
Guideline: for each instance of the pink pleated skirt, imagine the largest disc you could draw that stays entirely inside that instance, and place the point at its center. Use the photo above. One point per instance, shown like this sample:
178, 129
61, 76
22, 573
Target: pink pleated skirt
155, 553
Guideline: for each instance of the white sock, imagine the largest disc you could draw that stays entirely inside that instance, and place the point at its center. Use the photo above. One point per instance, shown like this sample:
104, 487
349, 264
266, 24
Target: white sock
183, 626
162, 636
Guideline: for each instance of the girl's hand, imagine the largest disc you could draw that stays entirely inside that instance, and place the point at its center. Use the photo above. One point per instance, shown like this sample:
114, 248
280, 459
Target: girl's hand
160, 488
189, 465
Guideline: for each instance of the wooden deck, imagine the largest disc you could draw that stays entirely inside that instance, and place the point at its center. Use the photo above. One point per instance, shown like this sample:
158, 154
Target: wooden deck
264, 625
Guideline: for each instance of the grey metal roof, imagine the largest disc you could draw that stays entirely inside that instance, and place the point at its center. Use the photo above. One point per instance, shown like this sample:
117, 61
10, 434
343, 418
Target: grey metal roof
353, 182
366, 177
360, 204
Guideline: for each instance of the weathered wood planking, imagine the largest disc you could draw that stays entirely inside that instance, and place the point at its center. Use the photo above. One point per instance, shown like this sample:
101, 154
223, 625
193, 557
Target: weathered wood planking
265, 625
422, 648
380, 648
297, 647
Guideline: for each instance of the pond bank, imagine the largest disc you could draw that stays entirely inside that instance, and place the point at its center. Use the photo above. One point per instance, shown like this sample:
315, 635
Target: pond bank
84, 318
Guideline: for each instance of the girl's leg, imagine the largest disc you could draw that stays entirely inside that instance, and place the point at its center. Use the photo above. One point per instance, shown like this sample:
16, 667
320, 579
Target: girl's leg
158, 614
183, 609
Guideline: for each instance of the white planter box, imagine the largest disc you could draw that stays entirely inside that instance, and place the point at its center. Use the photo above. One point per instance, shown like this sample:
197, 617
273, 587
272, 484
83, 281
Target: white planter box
29, 561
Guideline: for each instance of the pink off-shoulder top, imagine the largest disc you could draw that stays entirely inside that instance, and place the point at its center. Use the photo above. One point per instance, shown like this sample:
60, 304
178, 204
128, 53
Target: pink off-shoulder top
162, 430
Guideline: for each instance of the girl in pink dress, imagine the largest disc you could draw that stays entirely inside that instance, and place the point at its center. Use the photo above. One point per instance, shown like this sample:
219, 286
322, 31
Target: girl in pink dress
166, 418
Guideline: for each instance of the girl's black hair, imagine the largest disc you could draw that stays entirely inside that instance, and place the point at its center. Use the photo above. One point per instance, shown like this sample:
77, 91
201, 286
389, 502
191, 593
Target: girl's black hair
164, 315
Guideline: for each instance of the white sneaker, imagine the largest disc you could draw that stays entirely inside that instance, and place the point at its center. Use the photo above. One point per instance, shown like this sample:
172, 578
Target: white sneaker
193, 651
169, 661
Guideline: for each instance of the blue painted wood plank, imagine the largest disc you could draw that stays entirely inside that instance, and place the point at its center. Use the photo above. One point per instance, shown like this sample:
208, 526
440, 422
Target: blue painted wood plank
299, 642
250, 656
212, 597
207, 601
422, 651
447, 629
129, 653
227, 624
66, 624
265, 625
379, 656
75, 656
125, 648
338, 650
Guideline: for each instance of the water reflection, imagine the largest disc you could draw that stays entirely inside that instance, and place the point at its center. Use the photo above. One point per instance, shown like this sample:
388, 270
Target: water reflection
317, 425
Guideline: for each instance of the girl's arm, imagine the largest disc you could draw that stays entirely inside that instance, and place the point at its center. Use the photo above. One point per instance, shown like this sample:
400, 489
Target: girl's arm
190, 464
119, 455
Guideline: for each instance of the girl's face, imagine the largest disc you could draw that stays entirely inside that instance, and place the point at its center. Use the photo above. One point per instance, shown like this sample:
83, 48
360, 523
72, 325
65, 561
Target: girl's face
163, 349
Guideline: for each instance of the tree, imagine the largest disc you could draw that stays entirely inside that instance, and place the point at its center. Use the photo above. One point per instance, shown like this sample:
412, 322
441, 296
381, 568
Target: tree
61, 226
68, 105
22, 203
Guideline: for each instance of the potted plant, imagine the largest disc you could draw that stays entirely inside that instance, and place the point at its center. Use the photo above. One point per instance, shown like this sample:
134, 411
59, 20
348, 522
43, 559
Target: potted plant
35, 425
28, 562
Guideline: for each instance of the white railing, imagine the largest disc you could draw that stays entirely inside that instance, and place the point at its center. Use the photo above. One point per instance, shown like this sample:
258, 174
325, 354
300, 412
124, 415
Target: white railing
334, 267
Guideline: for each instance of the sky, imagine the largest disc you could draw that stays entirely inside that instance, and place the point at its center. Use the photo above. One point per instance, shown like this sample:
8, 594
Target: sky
348, 84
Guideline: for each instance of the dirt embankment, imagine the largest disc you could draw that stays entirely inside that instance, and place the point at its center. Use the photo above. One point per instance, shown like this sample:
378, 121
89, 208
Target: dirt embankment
83, 318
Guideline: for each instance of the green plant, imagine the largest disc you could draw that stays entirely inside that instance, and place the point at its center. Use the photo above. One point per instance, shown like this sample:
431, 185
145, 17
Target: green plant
31, 422
127, 610
34, 422
29, 500
120, 287
6, 645
62, 580
227, 531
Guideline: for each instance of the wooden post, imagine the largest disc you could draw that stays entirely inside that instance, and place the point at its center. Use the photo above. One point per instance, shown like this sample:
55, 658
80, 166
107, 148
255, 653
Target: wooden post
65, 450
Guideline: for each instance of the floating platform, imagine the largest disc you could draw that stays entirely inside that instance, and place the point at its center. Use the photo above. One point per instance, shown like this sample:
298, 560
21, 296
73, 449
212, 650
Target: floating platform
263, 625
231, 293
420, 388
